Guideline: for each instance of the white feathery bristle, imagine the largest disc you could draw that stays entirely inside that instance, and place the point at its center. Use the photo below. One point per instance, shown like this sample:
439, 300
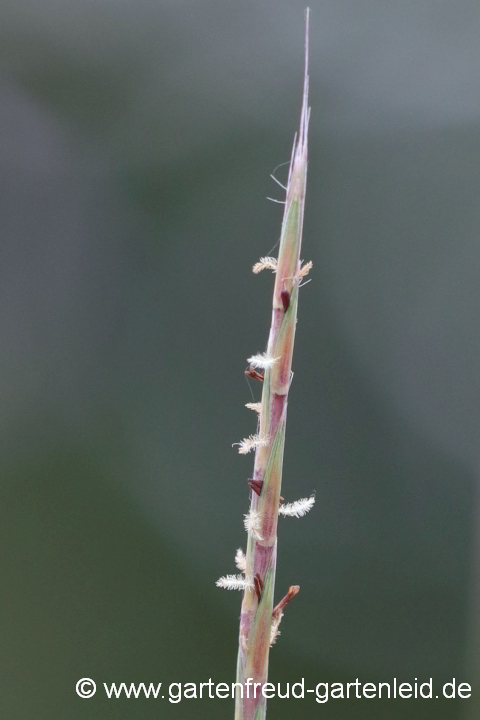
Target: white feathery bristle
274, 631
266, 263
253, 523
299, 508
305, 269
234, 582
261, 360
240, 560
250, 443
257, 407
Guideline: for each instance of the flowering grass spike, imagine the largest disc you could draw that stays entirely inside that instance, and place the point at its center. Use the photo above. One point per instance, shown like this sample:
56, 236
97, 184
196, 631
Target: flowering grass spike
299, 508
260, 620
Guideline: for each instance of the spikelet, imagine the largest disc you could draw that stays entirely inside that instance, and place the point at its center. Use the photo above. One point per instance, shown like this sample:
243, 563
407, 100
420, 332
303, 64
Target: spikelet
253, 523
240, 560
299, 508
277, 613
257, 407
261, 360
250, 443
266, 263
234, 582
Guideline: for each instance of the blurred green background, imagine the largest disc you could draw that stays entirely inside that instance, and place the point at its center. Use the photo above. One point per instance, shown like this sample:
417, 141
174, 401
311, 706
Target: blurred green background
136, 144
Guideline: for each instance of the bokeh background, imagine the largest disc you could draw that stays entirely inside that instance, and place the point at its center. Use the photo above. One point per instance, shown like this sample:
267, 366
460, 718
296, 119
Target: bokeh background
136, 142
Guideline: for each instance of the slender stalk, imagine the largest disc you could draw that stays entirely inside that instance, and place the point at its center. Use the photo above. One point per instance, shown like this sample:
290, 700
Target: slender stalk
258, 612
